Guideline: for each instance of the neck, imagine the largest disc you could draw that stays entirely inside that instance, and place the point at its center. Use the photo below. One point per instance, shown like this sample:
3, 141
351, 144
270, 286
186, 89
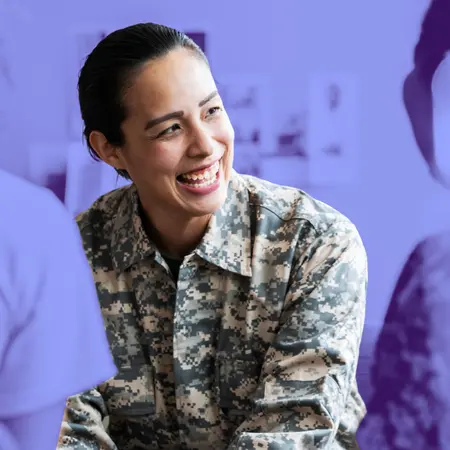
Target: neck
174, 236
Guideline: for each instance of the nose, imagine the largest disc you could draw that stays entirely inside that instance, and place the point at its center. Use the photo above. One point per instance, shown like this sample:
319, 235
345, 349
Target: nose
202, 143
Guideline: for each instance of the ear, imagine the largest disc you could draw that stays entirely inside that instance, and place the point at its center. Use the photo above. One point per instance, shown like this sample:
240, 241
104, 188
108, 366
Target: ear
109, 153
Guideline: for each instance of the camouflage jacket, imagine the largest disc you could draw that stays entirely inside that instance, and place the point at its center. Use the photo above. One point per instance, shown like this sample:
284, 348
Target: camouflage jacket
255, 346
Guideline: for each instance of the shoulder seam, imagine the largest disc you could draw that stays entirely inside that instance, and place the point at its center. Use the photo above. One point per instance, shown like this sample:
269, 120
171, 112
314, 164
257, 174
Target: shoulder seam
305, 218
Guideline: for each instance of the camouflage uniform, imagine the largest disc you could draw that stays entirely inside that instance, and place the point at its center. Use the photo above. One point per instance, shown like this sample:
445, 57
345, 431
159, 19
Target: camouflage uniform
255, 345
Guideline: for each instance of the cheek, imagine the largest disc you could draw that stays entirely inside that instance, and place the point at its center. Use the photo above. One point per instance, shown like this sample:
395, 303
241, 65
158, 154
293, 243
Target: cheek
226, 132
231, 133
153, 161
164, 158
441, 138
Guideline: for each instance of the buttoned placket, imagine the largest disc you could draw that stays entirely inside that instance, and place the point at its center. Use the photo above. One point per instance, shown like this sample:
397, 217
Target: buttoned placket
194, 349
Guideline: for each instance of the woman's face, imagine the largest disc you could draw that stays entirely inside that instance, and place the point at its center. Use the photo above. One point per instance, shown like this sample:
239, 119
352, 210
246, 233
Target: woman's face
178, 138
428, 108
441, 117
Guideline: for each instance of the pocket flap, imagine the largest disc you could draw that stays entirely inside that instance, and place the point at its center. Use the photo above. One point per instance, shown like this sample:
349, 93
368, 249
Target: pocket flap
131, 392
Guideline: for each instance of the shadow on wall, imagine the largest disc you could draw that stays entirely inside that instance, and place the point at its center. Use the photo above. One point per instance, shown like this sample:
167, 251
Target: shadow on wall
410, 403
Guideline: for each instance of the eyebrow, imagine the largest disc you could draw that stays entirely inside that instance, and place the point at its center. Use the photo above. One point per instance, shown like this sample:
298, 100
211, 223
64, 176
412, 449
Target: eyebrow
177, 114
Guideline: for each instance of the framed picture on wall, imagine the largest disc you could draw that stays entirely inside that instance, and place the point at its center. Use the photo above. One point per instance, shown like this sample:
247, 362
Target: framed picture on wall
246, 99
286, 161
333, 129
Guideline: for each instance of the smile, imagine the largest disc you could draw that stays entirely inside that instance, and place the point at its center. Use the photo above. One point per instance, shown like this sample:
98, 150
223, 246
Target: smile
201, 178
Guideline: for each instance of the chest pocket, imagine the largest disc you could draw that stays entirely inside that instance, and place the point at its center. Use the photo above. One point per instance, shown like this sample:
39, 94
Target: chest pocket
237, 380
130, 401
131, 392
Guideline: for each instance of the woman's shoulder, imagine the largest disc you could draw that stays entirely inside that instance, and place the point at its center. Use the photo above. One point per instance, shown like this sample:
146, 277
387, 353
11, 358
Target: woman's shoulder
289, 203
100, 216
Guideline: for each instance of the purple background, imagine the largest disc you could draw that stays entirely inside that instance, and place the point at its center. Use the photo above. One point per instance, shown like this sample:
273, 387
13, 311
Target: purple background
311, 59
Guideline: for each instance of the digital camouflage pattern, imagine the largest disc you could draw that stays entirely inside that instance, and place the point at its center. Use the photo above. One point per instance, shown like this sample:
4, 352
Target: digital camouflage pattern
256, 347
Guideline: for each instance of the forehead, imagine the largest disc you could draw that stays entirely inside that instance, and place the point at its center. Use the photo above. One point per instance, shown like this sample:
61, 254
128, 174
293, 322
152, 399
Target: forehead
179, 80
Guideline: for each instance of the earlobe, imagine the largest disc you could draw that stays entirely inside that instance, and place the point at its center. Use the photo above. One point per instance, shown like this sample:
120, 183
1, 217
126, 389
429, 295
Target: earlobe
98, 142
105, 150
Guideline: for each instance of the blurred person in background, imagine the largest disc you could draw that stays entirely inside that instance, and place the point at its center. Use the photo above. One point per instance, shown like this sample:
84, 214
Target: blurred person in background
52, 338
410, 406
234, 307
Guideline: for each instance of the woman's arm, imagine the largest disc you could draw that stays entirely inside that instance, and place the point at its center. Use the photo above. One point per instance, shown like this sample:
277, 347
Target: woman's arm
307, 398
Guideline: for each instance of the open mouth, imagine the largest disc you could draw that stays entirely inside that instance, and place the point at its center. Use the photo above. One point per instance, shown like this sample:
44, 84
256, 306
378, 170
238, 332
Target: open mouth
201, 178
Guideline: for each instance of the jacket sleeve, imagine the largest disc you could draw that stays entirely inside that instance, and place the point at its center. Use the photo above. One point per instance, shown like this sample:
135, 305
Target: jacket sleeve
83, 424
307, 396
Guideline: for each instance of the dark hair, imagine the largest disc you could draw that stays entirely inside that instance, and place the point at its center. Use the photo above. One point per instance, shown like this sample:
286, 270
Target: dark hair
109, 69
429, 52
434, 40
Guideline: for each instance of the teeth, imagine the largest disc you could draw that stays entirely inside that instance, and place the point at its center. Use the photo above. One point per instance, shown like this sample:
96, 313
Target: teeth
206, 175
202, 180
205, 183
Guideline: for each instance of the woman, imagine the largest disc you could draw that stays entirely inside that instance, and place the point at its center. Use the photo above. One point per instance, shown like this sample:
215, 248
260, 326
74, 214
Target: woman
234, 307
410, 405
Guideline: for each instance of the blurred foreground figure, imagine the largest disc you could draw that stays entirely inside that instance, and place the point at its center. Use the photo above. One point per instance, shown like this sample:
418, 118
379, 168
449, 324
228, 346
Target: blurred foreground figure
52, 338
410, 407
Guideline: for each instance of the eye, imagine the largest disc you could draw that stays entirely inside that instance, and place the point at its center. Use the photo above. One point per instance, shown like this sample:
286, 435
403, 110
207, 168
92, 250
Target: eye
213, 110
172, 129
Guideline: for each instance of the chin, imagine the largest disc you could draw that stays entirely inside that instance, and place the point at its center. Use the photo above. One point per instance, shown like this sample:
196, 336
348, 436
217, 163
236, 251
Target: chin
210, 204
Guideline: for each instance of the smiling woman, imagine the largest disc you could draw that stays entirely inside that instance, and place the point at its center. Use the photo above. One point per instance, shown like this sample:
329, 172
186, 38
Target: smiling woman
234, 307
165, 121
